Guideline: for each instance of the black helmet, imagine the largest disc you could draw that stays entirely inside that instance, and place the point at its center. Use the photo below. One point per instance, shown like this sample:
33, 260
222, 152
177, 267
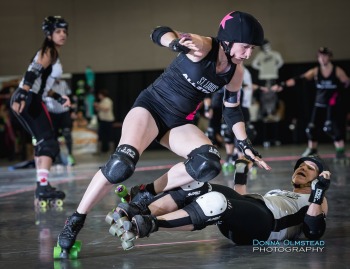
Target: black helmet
241, 27
51, 23
326, 51
312, 158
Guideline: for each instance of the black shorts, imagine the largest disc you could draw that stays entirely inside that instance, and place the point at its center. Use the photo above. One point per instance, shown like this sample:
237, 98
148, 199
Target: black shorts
61, 121
246, 220
165, 118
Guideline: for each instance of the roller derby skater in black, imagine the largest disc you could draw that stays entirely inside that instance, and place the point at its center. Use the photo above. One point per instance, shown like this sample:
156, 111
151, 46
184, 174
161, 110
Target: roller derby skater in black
328, 107
165, 111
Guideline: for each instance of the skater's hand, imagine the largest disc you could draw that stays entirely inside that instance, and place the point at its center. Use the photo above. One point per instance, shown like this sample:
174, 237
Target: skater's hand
65, 101
319, 187
18, 100
251, 154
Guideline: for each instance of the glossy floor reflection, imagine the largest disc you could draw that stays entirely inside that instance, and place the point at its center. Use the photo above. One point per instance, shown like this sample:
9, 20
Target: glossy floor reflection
28, 236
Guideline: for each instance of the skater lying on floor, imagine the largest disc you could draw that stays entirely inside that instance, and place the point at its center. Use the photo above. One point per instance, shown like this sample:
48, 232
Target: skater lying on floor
241, 217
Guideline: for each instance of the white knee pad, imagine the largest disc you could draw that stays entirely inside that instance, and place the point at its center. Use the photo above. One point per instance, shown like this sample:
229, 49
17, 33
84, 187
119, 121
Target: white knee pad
212, 203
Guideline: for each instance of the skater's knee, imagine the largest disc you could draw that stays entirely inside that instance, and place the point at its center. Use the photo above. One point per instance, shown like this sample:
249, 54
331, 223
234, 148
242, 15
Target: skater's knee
203, 163
207, 209
328, 129
121, 164
310, 131
47, 147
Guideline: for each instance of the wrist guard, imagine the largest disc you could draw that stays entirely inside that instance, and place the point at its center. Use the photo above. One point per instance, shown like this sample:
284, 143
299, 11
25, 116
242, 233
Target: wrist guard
158, 32
177, 47
57, 97
20, 95
318, 190
246, 144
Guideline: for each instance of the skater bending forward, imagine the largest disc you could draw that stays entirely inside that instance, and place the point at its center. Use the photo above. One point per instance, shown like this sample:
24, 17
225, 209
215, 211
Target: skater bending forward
241, 217
165, 111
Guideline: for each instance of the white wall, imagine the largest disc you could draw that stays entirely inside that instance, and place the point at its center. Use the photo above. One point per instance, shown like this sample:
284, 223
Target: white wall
113, 35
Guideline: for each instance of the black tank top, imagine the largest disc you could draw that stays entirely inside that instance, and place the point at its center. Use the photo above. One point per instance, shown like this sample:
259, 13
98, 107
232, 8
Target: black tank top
326, 88
184, 84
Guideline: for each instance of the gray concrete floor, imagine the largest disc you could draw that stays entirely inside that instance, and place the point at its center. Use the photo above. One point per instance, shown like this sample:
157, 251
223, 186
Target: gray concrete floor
28, 235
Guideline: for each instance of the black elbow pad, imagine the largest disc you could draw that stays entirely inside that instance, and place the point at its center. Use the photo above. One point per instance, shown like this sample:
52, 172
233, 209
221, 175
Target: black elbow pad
232, 115
314, 226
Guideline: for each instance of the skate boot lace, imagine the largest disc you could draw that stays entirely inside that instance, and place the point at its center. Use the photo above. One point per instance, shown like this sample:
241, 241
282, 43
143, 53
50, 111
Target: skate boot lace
72, 227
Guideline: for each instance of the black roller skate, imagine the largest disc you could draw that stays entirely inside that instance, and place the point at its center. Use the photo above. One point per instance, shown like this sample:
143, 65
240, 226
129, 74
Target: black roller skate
67, 246
139, 192
144, 225
308, 152
48, 196
127, 210
120, 221
140, 226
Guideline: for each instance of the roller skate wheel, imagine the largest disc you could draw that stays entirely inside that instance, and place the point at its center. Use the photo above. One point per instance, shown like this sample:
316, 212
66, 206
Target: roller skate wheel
120, 222
127, 245
42, 203
128, 236
73, 254
121, 191
58, 203
77, 245
57, 252
116, 231
109, 218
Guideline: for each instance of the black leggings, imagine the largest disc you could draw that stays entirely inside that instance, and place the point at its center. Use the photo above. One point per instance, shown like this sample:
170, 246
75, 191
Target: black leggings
246, 219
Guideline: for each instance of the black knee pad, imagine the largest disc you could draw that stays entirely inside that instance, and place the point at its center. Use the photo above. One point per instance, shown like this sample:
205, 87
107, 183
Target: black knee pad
67, 134
328, 129
121, 165
207, 209
227, 134
203, 163
47, 147
251, 131
310, 131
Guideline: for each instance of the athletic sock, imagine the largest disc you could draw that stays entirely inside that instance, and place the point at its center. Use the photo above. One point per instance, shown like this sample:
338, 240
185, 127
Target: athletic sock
42, 177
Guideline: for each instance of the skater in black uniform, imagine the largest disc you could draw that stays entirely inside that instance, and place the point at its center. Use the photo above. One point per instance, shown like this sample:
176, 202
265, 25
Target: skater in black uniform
166, 109
329, 79
28, 106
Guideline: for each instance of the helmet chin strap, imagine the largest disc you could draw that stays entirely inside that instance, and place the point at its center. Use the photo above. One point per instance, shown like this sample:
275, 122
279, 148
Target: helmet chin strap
299, 186
227, 49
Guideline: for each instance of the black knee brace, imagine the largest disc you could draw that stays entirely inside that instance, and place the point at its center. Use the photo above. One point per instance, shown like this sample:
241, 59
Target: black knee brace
67, 134
227, 134
203, 163
47, 147
207, 209
121, 165
310, 131
328, 129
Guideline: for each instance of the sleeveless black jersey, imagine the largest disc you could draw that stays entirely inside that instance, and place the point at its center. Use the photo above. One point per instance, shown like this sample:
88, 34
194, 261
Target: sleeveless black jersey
184, 84
326, 88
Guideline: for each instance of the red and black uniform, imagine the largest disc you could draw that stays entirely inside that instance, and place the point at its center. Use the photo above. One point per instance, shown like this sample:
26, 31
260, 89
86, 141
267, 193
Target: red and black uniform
327, 103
